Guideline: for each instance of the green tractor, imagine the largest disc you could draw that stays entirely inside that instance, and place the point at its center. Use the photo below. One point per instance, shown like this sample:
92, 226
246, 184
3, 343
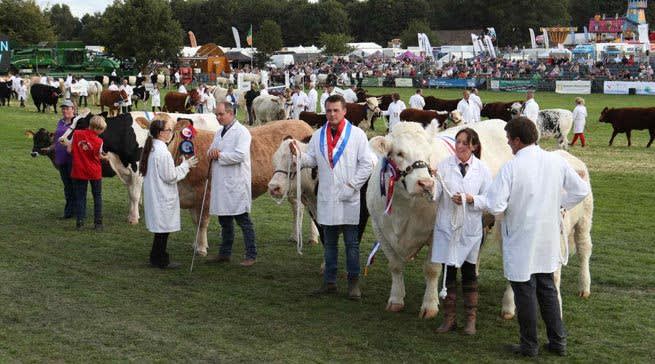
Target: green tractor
63, 58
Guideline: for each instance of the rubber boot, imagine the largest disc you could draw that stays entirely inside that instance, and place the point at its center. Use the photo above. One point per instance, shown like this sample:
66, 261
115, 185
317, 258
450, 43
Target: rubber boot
354, 293
450, 310
470, 291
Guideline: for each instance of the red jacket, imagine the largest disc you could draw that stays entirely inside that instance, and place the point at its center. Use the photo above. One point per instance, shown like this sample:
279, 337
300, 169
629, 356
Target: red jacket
85, 152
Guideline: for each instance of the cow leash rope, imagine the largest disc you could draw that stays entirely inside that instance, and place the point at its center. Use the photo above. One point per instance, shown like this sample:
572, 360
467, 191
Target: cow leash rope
202, 210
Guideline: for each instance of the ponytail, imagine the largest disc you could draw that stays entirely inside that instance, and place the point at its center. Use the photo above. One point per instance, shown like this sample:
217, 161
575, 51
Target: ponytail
156, 127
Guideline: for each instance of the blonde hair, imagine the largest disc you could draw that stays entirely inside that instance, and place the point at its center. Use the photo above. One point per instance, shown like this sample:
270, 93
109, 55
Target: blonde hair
97, 123
579, 100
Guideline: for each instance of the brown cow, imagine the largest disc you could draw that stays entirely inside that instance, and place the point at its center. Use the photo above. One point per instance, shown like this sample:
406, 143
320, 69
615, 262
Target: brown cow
626, 119
424, 117
112, 100
498, 110
384, 100
313, 119
363, 113
433, 103
265, 141
181, 102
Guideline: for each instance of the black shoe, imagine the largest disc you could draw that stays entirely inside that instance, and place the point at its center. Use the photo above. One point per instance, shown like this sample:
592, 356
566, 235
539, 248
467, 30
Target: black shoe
171, 265
326, 288
561, 351
516, 349
65, 217
79, 225
98, 227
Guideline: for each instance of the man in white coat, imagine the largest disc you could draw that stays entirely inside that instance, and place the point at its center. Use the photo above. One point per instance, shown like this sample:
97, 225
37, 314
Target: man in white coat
127, 103
465, 108
341, 153
300, 101
476, 101
417, 101
530, 190
393, 110
530, 107
312, 97
231, 196
349, 94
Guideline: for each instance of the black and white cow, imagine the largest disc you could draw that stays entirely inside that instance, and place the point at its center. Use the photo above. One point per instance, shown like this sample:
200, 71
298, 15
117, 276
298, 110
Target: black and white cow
5, 92
45, 95
139, 94
551, 123
123, 141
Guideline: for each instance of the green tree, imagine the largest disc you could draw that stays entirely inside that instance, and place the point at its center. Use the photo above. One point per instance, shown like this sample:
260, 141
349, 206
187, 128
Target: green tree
65, 25
269, 38
24, 23
143, 29
409, 36
91, 29
335, 44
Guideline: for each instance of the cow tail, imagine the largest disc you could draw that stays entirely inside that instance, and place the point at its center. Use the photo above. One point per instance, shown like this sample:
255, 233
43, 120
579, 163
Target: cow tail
147, 148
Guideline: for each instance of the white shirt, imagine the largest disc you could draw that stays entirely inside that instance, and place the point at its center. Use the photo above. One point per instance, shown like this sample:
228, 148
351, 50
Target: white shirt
155, 98
476, 182
112, 87
128, 90
530, 189
231, 172
350, 95
466, 109
324, 97
531, 110
417, 102
393, 111
22, 92
84, 85
161, 202
477, 106
338, 198
300, 101
181, 89
579, 118
312, 97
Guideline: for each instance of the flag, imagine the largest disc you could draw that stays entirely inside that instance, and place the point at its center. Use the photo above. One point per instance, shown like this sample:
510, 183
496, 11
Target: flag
237, 39
249, 36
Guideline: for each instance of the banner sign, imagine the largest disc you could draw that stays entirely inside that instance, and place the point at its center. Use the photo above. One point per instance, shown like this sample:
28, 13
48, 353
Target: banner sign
77, 88
372, 82
623, 87
573, 87
5, 53
455, 82
513, 85
404, 82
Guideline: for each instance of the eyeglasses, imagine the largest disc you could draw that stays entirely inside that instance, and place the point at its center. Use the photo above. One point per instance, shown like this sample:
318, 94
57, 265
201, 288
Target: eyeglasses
167, 130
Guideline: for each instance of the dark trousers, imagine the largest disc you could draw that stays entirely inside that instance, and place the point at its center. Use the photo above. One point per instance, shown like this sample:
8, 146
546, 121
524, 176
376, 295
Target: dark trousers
158, 255
79, 188
539, 289
126, 109
468, 275
65, 174
331, 251
251, 117
153, 108
82, 98
227, 233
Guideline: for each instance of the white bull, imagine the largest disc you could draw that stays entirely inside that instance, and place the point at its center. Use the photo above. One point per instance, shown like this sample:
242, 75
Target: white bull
268, 108
551, 123
409, 226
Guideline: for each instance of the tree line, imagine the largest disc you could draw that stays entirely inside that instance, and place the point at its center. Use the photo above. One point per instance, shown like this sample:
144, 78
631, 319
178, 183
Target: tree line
155, 29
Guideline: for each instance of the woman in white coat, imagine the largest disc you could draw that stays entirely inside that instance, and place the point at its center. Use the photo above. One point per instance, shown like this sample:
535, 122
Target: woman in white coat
579, 121
393, 111
161, 202
155, 98
463, 183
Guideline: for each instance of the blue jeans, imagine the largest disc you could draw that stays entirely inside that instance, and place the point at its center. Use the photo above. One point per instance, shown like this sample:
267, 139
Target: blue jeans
65, 174
79, 186
227, 233
331, 235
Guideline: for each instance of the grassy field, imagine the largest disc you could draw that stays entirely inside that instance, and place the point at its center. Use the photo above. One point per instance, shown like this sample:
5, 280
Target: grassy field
69, 296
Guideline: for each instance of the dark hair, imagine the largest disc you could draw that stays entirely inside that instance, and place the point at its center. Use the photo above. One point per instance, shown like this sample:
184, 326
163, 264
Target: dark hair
395, 96
473, 139
336, 98
522, 128
156, 127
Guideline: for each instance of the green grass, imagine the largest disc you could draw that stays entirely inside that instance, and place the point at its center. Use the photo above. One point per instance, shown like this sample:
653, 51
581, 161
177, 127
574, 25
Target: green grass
88, 297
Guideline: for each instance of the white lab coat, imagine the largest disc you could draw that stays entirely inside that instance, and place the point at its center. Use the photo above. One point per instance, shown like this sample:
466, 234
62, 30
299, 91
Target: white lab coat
531, 110
312, 97
338, 203
211, 104
22, 92
231, 172
181, 89
477, 106
300, 101
324, 97
84, 85
128, 90
476, 182
161, 202
579, 118
466, 109
393, 111
530, 189
350, 95
417, 102
155, 98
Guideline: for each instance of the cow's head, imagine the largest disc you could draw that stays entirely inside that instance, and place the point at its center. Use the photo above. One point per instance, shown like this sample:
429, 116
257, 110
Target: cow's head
372, 108
604, 116
454, 119
42, 139
515, 109
284, 166
412, 151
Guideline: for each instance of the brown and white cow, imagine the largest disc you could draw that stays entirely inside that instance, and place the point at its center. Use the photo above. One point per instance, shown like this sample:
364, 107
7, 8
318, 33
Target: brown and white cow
112, 99
423, 117
181, 102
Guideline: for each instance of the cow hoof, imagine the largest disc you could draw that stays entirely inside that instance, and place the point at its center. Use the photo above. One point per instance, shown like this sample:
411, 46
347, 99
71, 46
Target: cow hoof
506, 315
201, 253
313, 242
395, 307
132, 221
427, 314
584, 294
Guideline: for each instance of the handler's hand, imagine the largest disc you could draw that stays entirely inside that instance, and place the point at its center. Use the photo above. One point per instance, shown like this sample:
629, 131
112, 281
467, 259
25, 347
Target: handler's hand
192, 162
214, 153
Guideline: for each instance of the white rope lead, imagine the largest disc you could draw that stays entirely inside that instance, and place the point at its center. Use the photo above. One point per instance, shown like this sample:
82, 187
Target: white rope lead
299, 206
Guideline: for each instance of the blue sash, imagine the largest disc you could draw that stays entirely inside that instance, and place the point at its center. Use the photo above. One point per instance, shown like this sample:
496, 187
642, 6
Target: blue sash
339, 152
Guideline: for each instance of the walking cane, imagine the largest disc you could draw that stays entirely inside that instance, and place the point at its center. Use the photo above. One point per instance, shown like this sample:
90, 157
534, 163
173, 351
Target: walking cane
202, 210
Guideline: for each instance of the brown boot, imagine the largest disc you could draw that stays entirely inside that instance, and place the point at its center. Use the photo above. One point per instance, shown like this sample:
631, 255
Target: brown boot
450, 310
354, 293
470, 291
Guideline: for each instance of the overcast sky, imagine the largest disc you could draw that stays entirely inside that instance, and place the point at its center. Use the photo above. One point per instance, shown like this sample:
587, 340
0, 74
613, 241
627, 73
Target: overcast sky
78, 7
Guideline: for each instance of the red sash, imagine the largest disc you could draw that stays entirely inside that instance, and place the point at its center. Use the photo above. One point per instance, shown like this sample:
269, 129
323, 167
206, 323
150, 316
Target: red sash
332, 141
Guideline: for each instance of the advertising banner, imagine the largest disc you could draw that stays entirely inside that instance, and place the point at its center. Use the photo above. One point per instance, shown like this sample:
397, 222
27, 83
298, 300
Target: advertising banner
623, 87
372, 82
513, 85
404, 82
573, 87
455, 82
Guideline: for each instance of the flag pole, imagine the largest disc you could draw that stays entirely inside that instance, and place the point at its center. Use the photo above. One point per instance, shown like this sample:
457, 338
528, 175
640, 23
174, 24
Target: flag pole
252, 54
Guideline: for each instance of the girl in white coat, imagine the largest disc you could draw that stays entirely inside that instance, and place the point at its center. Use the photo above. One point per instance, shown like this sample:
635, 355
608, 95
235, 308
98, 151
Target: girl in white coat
155, 98
464, 181
579, 121
161, 202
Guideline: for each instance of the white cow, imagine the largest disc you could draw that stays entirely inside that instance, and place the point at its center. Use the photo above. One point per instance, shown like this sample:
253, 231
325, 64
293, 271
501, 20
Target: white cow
268, 108
551, 123
576, 238
94, 90
409, 226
